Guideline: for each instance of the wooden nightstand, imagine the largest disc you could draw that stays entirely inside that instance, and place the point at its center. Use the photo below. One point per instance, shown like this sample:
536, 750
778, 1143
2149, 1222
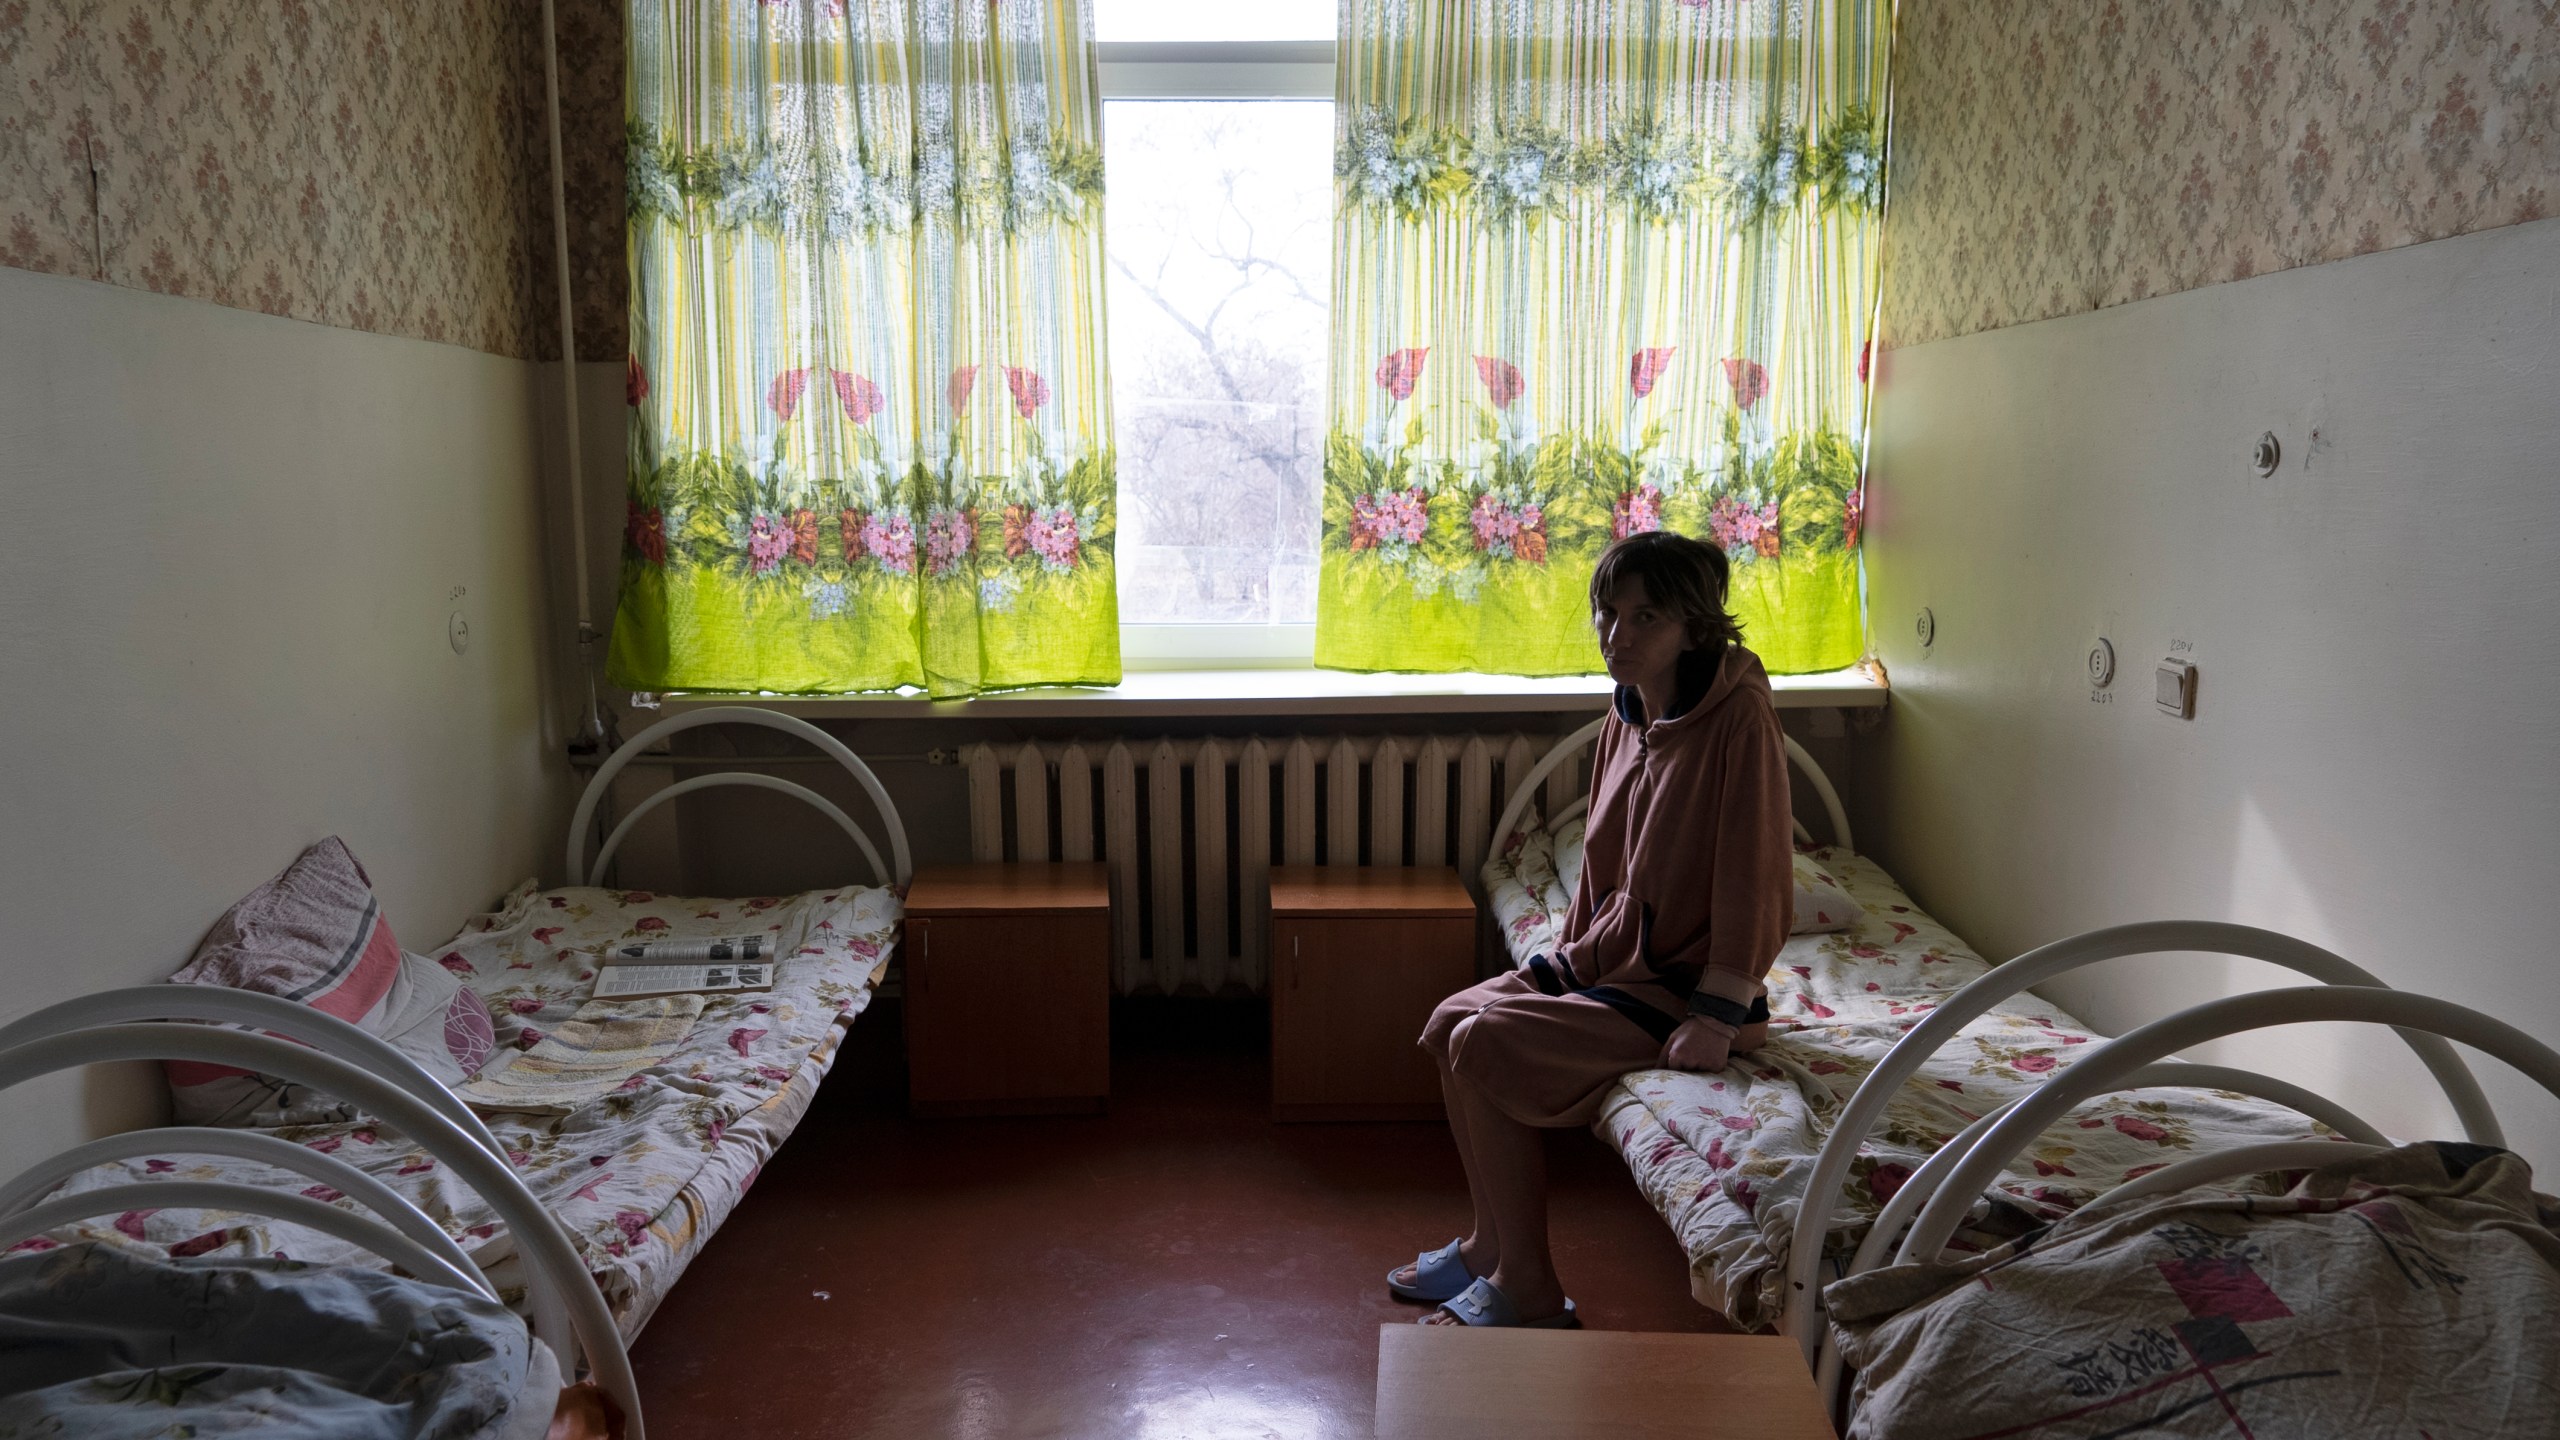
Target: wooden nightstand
1008, 989
1359, 959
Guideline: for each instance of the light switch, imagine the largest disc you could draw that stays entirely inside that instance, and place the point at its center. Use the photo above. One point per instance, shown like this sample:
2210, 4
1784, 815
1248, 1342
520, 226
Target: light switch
2176, 691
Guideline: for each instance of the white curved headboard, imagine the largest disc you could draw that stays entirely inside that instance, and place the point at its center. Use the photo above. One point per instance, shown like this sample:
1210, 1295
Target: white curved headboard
1852, 1124
581, 872
1571, 745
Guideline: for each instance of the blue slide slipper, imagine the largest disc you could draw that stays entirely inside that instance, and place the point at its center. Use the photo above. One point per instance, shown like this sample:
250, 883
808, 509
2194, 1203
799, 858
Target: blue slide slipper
1437, 1275
1481, 1304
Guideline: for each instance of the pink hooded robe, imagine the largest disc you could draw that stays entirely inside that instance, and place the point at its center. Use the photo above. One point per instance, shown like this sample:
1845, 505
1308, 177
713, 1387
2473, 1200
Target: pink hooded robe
1686, 886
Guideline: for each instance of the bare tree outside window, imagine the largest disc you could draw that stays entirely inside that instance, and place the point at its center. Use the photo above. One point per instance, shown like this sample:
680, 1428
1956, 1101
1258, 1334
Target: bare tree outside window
1219, 235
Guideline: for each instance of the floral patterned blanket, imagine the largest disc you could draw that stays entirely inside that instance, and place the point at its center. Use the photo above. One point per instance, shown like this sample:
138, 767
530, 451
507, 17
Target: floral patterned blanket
1725, 1157
640, 1178
2420, 1284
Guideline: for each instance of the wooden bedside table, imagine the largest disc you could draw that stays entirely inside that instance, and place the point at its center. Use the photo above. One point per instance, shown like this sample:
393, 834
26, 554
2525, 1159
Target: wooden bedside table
1008, 989
1359, 958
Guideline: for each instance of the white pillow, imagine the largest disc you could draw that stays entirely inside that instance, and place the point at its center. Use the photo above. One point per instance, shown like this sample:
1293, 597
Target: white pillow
1569, 857
316, 934
1822, 905
428, 1014
433, 1018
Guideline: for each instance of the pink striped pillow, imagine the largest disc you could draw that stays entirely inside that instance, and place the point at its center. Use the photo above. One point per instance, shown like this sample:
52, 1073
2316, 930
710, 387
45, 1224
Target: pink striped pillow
314, 934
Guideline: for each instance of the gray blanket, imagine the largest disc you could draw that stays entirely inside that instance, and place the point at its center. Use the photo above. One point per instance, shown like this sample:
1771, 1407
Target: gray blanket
100, 1342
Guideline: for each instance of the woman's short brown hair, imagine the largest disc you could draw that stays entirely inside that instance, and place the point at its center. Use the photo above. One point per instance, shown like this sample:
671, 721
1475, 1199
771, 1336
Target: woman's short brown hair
1684, 576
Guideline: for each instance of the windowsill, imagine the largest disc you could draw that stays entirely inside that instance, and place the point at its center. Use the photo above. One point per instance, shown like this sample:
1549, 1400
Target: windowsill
1284, 692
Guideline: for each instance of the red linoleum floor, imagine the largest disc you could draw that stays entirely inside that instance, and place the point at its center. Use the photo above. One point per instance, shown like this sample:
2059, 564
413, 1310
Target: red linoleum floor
1177, 1269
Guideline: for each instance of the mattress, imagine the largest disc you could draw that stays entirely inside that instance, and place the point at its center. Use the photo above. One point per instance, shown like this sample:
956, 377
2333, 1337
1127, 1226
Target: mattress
1725, 1156
639, 1179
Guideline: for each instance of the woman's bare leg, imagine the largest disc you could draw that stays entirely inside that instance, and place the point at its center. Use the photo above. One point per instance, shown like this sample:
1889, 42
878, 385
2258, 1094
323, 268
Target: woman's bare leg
1507, 1171
1481, 1250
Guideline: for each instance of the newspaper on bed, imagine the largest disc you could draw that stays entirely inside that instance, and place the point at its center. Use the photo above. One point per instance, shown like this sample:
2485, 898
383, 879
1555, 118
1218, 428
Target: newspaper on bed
751, 946
629, 981
685, 965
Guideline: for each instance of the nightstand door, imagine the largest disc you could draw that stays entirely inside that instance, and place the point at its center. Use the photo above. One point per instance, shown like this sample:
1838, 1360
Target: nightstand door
1009, 1007
1349, 998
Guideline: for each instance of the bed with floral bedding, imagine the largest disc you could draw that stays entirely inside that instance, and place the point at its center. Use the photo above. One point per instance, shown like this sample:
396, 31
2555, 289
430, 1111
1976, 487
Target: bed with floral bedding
641, 1178
1725, 1156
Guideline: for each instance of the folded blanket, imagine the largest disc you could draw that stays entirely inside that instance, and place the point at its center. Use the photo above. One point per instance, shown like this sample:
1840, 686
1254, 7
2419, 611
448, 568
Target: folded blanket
592, 1053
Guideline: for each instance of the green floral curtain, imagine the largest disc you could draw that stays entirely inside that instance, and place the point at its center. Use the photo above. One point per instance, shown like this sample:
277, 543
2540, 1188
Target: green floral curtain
870, 424
1600, 266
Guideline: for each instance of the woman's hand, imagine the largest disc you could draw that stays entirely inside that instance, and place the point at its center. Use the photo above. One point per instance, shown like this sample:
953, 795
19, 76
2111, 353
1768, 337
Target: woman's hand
1700, 1043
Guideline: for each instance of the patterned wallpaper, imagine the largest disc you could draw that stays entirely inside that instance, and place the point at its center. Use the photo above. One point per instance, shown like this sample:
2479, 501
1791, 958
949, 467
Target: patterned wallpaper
385, 167
2051, 158
354, 164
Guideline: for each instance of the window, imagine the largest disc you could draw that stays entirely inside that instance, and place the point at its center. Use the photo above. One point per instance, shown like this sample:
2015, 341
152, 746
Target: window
1218, 139
1179, 21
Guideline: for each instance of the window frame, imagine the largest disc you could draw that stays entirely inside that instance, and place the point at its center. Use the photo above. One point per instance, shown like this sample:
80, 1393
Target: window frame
1216, 70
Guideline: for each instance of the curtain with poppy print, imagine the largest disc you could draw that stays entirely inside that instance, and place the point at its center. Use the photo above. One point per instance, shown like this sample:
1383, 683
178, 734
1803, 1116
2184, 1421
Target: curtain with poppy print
870, 424
1600, 266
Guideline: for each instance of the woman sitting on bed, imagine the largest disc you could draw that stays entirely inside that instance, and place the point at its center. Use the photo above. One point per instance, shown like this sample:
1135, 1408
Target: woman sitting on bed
1683, 903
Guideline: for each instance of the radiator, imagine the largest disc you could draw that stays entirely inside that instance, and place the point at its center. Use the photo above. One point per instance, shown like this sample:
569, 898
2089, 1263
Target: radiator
1191, 828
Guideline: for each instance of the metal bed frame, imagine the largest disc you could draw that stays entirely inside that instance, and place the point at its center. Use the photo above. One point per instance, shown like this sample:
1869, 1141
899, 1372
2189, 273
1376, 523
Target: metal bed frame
1992, 1139
189, 1022
1932, 1203
152, 1022
1524, 794
581, 871
2131, 1060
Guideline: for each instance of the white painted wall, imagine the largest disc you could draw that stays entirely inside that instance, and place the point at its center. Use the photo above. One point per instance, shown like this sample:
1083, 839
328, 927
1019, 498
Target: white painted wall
2375, 759
228, 548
